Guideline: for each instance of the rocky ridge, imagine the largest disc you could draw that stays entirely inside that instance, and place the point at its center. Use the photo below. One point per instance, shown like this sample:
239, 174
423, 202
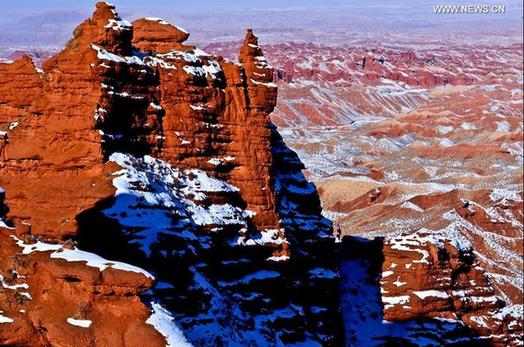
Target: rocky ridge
206, 196
454, 288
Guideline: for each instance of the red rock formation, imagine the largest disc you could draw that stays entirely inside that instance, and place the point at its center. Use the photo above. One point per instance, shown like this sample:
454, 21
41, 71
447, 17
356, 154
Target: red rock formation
217, 118
431, 275
154, 35
56, 146
47, 301
55, 169
251, 142
223, 128
100, 96
52, 294
22, 77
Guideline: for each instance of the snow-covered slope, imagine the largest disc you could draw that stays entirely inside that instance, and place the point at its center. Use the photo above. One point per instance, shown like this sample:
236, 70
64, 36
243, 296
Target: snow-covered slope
220, 281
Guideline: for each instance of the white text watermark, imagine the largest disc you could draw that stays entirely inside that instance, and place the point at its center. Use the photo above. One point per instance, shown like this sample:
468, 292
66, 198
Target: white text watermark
469, 9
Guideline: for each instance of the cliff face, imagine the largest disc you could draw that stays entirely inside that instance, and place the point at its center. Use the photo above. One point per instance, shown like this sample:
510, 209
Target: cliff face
186, 106
146, 150
217, 118
437, 276
55, 147
421, 289
22, 77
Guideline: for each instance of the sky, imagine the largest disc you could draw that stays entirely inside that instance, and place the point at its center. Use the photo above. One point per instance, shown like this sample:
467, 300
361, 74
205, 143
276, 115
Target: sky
211, 4
49, 23
193, 4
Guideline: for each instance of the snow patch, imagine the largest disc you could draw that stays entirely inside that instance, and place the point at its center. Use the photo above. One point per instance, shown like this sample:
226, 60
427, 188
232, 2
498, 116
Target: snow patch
164, 323
4, 319
423, 294
278, 258
82, 323
115, 24
390, 301
503, 126
103, 54
411, 206
446, 143
76, 255
156, 19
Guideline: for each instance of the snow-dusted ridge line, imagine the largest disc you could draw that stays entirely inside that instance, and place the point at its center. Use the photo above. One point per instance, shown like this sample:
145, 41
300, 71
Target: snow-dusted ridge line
178, 186
76, 255
152, 192
164, 323
164, 22
157, 19
104, 54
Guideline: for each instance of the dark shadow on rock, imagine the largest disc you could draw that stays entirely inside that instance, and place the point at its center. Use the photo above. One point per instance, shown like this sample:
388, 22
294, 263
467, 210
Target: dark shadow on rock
205, 278
4, 210
310, 234
103, 235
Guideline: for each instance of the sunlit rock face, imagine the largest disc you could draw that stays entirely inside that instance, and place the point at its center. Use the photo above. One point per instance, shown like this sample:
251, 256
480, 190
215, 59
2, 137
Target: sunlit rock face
135, 147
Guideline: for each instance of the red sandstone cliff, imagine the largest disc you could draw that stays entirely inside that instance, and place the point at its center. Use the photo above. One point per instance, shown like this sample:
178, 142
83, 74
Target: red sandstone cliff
138, 89
191, 108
